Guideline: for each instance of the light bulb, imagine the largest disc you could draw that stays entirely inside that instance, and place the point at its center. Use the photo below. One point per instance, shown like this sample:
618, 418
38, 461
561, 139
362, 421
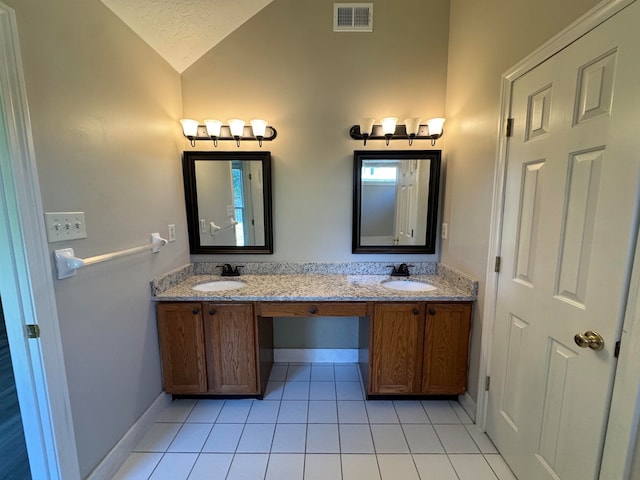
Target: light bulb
237, 127
366, 125
389, 125
412, 125
435, 126
189, 127
259, 127
213, 127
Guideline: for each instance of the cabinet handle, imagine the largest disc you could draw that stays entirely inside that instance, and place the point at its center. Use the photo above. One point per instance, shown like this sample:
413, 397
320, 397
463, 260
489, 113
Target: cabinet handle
416, 311
313, 310
432, 311
212, 312
195, 311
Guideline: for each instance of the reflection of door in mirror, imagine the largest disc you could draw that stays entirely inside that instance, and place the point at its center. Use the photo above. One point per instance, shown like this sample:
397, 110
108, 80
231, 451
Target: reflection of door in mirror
394, 202
411, 203
229, 195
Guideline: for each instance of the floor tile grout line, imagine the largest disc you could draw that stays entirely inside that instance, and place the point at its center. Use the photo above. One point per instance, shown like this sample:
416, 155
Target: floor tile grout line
157, 465
340, 453
491, 466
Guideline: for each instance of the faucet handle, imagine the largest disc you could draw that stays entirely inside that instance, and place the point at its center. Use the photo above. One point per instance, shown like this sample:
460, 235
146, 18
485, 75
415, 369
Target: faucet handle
230, 271
401, 270
404, 268
227, 269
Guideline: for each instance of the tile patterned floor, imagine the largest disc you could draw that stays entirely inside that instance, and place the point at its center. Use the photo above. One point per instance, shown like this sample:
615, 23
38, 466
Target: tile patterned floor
314, 424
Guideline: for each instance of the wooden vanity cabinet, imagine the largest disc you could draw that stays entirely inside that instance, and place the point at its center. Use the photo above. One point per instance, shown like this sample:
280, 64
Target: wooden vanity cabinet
230, 342
397, 343
446, 348
208, 348
182, 350
419, 348
406, 348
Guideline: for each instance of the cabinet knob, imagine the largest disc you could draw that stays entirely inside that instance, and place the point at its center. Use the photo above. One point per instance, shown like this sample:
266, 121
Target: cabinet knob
212, 312
416, 311
195, 311
313, 310
432, 311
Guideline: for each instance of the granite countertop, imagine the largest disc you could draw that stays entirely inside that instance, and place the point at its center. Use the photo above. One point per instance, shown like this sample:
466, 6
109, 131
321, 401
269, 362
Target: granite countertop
317, 288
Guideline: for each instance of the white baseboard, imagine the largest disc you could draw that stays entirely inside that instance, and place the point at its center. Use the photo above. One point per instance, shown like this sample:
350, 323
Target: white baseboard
118, 454
468, 404
315, 355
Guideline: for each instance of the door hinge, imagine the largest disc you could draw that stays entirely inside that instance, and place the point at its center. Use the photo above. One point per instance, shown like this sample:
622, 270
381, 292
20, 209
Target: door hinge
616, 350
33, 331
509, 130
487, 383
496, 267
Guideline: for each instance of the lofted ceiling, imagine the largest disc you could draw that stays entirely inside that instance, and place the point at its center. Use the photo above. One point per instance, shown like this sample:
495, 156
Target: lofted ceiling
181, 31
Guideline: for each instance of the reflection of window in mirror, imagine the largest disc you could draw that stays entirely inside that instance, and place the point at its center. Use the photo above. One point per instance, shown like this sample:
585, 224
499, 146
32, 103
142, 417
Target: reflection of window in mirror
237, 176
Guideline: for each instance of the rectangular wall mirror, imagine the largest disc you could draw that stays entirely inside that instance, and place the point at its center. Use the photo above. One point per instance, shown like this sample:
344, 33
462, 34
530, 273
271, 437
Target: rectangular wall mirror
395, 201
228, 200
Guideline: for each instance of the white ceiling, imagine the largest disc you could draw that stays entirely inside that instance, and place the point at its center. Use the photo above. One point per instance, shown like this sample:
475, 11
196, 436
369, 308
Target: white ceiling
181, 31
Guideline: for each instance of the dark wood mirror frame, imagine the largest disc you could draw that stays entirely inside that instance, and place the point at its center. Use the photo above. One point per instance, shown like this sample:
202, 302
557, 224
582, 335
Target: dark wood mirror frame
189, 160
432, 206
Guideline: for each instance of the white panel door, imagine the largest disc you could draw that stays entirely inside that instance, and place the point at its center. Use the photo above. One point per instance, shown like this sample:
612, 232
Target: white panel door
568, 226
407, 195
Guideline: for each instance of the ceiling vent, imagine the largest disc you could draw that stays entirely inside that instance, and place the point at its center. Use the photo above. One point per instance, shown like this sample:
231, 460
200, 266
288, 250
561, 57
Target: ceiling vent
353, 17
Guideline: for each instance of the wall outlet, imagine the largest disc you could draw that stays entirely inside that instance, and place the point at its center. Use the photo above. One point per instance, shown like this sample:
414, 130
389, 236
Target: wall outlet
203, 226
172, 233
62, 226
445, 231
230, 211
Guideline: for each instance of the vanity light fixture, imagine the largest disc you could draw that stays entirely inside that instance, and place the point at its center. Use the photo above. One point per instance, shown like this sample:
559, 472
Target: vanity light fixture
235, 129
389, 129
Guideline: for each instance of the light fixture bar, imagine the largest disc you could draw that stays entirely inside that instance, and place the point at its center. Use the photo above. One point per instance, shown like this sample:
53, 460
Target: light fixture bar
225, 133
201, 133
377, 133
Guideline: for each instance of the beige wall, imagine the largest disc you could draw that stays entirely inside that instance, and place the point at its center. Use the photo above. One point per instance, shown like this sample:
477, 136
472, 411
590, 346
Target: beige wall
103, 107
286, 65
486, 38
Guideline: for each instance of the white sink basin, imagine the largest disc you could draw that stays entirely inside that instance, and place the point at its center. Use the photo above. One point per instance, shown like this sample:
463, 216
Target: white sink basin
219, 285
408, 285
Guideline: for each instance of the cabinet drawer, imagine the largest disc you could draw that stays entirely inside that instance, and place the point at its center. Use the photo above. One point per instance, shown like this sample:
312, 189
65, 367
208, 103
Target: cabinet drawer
306, 309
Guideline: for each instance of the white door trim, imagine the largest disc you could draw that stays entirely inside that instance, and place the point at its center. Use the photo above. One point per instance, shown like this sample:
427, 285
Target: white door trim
27, 283
579, 28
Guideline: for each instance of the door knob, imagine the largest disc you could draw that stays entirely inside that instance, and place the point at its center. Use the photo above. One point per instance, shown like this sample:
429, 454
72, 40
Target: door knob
589, 339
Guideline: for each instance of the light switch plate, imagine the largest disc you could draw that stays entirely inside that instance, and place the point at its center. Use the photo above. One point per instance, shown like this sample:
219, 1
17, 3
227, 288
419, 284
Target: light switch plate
445, 231
62, 226
172, 233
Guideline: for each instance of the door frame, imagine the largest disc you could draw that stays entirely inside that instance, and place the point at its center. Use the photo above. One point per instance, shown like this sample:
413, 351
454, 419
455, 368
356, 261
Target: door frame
619, 442
26, 284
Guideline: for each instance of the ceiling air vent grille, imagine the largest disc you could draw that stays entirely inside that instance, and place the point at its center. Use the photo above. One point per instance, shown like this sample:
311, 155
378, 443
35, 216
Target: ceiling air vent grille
353, 17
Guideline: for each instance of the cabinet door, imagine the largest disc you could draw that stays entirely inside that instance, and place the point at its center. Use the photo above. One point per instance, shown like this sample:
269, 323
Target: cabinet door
230, 331
446, 348
181, 337
396, 348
